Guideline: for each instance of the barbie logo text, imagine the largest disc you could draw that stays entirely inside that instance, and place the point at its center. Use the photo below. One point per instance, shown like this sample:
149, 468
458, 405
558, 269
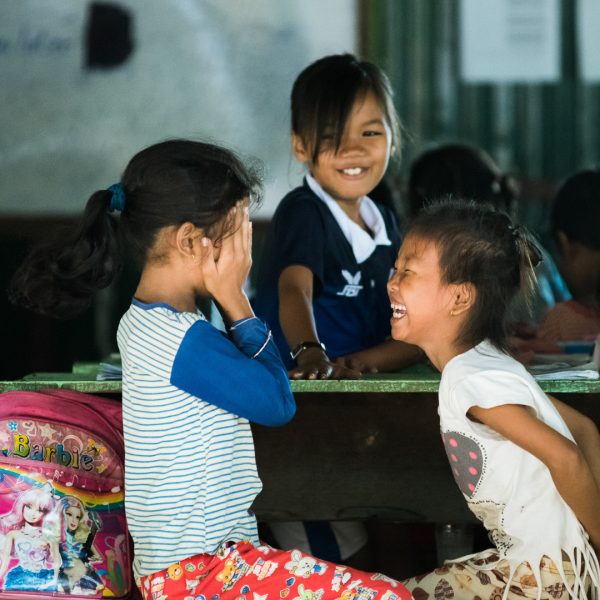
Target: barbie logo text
56, 453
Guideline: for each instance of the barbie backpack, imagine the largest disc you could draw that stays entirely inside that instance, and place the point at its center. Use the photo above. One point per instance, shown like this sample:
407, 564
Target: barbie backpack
62, 521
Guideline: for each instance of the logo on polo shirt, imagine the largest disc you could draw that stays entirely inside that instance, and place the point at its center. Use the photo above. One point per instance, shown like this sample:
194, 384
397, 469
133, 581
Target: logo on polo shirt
352, 287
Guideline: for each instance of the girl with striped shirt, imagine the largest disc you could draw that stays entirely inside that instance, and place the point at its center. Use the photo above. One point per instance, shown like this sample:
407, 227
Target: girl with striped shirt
190, 391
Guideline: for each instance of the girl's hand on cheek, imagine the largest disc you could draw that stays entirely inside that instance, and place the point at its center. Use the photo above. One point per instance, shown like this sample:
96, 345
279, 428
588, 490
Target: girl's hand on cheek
226, 268
226, 271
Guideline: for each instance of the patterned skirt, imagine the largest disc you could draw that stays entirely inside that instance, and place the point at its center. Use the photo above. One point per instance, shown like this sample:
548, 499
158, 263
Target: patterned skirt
242, 571
485, 577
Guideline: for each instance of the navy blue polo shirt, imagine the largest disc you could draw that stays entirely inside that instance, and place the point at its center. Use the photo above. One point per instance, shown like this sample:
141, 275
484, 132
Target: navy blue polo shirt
350, 302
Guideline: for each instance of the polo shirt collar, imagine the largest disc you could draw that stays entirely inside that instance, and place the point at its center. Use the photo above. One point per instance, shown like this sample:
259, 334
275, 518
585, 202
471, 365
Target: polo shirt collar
363, 245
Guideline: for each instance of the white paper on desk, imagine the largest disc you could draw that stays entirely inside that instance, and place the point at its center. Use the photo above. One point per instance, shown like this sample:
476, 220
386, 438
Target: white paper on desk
503, 41
564, 370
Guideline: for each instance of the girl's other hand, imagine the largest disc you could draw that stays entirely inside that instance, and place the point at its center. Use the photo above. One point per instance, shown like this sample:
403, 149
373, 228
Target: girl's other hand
314, 364
356, 362
225, 269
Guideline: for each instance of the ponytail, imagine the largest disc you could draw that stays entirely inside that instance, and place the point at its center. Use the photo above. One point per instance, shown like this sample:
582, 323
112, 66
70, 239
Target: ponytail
163, 185
59, 276
507, 193
529, 256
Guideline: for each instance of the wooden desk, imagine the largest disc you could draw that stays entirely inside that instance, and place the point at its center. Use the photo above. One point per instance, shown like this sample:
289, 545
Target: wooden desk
355, 450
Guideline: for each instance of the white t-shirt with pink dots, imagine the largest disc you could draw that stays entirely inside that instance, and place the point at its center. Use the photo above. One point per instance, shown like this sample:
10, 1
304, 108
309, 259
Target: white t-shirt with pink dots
507, 488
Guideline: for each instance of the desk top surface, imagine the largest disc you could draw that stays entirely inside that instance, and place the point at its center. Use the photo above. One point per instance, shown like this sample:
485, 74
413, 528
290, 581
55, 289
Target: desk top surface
415, 379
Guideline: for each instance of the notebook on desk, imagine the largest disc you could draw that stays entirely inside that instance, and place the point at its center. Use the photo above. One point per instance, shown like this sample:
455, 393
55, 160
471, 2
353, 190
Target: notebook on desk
545, 367
110, 369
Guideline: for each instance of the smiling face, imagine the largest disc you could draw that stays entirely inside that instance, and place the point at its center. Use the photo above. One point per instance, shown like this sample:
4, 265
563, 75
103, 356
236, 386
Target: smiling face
362, 158
422, 303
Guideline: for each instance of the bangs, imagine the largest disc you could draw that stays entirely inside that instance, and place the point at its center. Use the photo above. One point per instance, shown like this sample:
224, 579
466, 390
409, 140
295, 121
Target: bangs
324, 126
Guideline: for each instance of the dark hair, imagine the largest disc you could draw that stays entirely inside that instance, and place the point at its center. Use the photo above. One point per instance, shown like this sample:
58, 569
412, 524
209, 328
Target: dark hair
576, 209
458, 170
168, 184
324, 93
479, 244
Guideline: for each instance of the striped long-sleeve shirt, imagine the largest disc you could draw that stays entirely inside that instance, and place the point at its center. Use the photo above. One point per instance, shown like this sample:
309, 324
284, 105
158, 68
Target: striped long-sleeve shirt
189, 392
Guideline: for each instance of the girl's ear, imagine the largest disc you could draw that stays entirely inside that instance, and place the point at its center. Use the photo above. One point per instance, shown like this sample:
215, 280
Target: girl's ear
463, 298
186, 236
299, 149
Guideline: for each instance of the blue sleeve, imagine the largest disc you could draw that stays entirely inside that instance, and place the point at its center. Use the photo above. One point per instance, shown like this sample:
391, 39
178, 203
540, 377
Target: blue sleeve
299, 236
242, 374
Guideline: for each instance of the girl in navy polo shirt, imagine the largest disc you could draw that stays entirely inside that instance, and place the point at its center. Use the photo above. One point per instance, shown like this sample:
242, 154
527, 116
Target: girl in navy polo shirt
330, 250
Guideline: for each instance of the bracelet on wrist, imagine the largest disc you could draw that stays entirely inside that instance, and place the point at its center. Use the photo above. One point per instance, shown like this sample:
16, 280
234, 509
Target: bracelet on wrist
302, 346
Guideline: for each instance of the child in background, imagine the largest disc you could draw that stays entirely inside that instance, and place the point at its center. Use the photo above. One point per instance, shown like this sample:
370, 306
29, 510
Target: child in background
575, 224
29, 540
458, 170
330, 249
189, 390
527, 465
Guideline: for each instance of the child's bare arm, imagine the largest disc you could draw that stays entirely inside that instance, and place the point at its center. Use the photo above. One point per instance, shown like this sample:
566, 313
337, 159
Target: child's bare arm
388, 356
298, 325
586, 435
565, 460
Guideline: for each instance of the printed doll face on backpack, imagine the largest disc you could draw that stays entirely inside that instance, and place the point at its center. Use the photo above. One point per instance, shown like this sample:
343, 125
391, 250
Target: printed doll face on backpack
33, 513
73, 517
30, 508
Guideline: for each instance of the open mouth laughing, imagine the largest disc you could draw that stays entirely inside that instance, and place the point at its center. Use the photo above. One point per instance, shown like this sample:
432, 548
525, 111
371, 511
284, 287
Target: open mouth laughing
398, 311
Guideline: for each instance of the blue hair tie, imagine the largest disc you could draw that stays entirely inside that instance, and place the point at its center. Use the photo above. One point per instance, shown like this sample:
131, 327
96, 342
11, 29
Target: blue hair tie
117, 201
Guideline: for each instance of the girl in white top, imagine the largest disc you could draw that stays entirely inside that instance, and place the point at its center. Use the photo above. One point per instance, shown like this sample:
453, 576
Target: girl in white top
527, 464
